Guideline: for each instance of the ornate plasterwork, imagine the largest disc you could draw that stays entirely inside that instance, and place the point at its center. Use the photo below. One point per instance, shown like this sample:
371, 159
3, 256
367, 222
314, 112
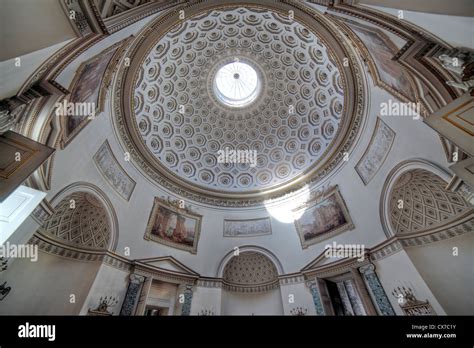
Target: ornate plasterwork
419, 201
113, 172
128, 130
51, 246
291, 126
250, 271
376, 152
411, 94
112, 8
247, 228
79, 220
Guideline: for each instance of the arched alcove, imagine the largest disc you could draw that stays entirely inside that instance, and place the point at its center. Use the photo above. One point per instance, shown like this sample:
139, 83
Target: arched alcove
97, 224
79, 220
250, 283
416, 202
414, 198
419, 200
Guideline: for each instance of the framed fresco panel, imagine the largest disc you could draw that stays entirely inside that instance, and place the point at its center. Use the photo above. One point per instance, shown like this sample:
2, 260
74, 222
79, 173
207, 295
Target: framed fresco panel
380, 50
247, 228
376, 152
174, 227
88, 91
322, 218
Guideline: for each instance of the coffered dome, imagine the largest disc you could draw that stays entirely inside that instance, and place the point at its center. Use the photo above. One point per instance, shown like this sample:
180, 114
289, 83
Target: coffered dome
254, 102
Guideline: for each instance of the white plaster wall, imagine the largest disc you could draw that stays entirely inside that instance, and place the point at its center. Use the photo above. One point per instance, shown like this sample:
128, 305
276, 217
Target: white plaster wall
28, 26
12, 77
206, 299
450, 278
24, 232
262, 303
109, 281
44, 287
397, 270
300, 295
455, 30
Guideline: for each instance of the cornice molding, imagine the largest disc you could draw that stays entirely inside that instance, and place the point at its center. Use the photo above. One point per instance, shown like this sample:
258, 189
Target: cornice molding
311, 271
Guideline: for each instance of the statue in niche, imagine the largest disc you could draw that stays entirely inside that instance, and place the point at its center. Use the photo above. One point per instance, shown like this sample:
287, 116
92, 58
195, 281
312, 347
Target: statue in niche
461, 63
465, 85
452, 63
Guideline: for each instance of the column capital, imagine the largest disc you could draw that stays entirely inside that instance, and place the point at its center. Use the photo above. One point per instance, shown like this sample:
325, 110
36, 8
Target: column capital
311, 282
367, 269
136, 278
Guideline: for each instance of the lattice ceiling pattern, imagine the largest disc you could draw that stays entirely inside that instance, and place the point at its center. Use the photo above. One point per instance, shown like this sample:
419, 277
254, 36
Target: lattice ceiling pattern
292, 123
86, 225
426, 203
109, 8
250, 268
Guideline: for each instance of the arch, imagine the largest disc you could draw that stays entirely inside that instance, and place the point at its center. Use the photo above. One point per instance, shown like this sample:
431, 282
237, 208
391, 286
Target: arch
404, 175
96, 192
249, 248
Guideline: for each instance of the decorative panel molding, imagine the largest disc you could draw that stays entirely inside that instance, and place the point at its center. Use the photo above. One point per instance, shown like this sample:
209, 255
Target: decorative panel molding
455, 122
19, 158
247, 228
376, 152
113, 172
117, 14
465, 170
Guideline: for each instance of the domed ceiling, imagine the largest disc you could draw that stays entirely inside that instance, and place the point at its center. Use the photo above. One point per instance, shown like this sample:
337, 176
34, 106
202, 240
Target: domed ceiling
289, 125
240, 81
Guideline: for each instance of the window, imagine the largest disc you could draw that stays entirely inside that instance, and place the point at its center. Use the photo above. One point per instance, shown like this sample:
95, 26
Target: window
236, 84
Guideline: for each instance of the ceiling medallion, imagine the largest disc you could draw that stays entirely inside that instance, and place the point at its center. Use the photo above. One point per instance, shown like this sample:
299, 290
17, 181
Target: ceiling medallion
268, 84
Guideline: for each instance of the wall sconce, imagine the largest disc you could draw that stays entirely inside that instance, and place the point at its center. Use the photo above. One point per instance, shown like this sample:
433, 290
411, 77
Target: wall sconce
206, 312
299, 311
4, 290
104, 304
3, 264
